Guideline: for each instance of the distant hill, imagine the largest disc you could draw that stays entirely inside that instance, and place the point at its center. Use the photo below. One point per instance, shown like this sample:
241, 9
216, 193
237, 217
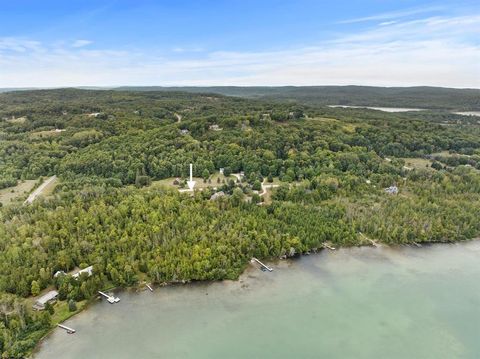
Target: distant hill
438, 98
11, 89
435, 98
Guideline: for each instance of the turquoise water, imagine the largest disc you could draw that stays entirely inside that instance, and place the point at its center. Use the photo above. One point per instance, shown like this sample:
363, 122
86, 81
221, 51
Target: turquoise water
351, 303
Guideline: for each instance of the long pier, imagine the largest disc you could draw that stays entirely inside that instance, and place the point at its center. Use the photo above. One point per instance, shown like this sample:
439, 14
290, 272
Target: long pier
263, 265
68, 329
110, 298
149, 287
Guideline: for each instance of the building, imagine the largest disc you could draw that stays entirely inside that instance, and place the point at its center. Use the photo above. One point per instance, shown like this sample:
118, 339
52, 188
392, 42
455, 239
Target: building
392, 190
49, 297
184, 131
88, 270
217, 195
215, 128
58, 273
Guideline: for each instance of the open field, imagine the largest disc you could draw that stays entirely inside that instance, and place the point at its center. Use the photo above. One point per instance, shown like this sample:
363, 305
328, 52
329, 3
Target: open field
11, 194
199, 183
418, 163
49, 188
45, 134
45, 189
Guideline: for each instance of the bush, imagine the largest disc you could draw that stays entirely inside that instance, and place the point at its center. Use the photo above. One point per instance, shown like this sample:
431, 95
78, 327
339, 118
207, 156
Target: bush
72, 306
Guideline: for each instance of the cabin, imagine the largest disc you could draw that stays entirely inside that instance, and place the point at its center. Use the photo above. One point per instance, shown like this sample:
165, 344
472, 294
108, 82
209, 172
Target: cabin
392, 190
217, 195
49, 297
58, 273
215, 128
88, 270
184, 131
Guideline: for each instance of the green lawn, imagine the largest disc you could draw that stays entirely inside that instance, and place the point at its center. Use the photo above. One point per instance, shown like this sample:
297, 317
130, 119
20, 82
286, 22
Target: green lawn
168, 182
418, 163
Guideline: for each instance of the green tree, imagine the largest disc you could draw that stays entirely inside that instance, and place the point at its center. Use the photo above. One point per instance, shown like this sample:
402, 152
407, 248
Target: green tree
205, 174
257, 185
72, 306
35, 288
49, 308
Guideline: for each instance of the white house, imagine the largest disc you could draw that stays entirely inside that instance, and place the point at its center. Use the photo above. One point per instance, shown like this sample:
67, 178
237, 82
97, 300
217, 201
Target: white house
392, 190
58, 273
88, 270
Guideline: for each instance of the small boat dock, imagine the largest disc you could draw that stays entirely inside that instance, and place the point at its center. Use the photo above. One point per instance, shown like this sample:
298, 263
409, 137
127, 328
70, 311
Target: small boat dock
68, 329
149, 287
263, 265
110, 298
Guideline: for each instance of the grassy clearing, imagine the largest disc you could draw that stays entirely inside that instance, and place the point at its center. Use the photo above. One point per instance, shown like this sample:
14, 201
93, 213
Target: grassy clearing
168, 182
12, 194
418, 163
48, 190
45, 134
17, 120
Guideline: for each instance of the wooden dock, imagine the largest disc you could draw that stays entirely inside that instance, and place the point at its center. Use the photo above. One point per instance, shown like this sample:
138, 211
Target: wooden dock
68, 329
325, 245
110, 298
149, 287
263, 265
375, 244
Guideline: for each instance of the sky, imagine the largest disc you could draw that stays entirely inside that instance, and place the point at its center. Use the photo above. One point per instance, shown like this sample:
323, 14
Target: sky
57, 43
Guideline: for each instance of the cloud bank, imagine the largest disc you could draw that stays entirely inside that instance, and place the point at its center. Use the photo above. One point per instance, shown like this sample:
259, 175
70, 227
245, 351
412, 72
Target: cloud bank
435, 51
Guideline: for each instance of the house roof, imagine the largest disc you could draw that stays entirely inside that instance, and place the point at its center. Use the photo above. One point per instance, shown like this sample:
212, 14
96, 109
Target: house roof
85, 270
47, 297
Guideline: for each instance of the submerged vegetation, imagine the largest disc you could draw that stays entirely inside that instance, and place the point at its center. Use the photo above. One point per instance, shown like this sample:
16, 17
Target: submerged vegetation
113, 152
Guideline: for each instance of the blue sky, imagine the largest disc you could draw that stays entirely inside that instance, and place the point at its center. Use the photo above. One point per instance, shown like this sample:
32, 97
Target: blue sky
263, 42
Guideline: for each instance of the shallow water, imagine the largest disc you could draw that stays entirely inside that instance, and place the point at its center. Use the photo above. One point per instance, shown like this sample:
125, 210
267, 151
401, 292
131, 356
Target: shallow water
351, 303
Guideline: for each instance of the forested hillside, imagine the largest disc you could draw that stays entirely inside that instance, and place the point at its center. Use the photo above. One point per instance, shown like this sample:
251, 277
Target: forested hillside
416, 97
294, 178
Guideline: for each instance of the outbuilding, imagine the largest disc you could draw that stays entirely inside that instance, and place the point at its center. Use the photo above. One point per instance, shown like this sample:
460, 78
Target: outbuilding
48, 297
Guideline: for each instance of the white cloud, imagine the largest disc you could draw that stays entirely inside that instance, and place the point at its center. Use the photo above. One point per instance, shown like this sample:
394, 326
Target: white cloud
393, 15
187, 49
433, 51
386, 23
81, 43
19, 45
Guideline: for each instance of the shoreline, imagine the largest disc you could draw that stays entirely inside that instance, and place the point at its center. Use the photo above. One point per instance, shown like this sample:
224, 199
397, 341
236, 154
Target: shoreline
141, 287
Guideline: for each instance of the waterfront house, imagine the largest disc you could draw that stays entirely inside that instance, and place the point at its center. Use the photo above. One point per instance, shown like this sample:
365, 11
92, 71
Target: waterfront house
48, 297
88, 270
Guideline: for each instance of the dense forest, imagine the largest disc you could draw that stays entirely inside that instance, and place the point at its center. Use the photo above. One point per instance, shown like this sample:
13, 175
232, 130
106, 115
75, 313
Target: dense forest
117, 155
417, 97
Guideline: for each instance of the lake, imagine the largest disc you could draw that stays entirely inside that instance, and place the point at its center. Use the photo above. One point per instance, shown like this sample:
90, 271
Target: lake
350, 303
468, 113
384, 109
